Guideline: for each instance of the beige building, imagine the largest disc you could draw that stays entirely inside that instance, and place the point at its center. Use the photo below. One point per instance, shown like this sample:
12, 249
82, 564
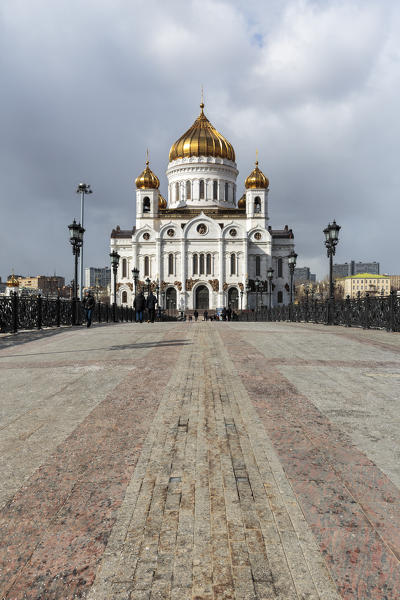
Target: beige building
365, 283
394, 282
46, 284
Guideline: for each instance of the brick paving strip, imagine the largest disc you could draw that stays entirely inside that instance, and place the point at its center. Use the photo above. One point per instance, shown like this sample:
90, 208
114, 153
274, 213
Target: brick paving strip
209, 512
352, 507
54, 530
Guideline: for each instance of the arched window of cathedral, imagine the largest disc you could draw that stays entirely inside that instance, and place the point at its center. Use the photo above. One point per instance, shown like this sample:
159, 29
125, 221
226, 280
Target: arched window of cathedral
170, 264
201, 264
280, 297
226, 192
258, 266
233, 264
208, 265
201, 189
195, 264
177, 192
234, 194
280, 267
257, 204
146, 266
124, 267
124, 298
146, 204
188, 190
215, 189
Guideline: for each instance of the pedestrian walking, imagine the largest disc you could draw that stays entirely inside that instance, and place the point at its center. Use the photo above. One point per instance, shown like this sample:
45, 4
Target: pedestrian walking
139, 304
223, 314
205, 315
89, 303
151, 306
196, 315
229, 312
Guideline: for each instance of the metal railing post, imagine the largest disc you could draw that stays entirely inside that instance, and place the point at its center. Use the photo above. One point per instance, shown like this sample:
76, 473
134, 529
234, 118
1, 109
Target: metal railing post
39, 312
15, 311
58, 311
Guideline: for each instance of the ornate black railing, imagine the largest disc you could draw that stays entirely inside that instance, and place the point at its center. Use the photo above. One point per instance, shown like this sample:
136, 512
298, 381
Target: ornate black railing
35, 312
367, 312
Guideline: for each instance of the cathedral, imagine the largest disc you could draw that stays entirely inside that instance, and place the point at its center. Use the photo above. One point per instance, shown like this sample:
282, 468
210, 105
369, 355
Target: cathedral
203, 248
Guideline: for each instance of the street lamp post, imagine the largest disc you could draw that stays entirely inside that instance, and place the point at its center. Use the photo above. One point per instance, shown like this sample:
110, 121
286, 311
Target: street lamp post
292, 263
82, 189
331, 240
135, 275
114, 263
270, 276
248, 290
148, 285
76, 232
241, 300
258, 285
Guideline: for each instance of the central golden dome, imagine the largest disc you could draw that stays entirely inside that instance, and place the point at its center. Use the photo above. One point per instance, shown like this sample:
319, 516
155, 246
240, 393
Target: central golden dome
202, 139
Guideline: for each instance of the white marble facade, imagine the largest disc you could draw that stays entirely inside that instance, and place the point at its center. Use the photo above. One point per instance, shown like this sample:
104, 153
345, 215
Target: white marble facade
203, 247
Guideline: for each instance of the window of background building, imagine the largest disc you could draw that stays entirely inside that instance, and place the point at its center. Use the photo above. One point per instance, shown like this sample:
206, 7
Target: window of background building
280, 267
215, 190
233, 264
208, 266
170, 264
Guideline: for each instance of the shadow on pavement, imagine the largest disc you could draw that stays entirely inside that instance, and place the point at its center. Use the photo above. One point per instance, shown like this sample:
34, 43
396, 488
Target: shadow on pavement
108, 348
8, 340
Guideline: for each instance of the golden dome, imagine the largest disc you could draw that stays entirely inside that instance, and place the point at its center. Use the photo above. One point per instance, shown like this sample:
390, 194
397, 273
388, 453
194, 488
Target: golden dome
147, 180
256, 180
162, 203
202, 139
12, 282
242, 202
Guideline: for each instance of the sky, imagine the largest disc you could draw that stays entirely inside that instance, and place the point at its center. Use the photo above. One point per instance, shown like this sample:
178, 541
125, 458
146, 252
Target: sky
88, 85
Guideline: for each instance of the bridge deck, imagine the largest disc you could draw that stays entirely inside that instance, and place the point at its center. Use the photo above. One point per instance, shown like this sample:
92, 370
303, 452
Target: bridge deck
200, 460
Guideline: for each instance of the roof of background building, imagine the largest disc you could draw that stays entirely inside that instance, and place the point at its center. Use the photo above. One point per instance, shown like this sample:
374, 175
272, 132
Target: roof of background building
365, 276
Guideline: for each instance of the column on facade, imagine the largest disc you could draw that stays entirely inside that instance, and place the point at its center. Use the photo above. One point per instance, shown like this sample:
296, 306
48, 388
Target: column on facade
221, 273
183, 272
245, 269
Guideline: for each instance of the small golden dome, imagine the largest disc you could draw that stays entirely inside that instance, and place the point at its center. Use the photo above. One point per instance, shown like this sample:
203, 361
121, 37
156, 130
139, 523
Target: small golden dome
13, 282
242, 202
162, 203
147, 180
256, 180
202, 139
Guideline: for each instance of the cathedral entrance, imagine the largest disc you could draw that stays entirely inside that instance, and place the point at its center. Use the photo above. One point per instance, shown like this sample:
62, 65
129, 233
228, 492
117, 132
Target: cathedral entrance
233, 298
202, 297
171, 298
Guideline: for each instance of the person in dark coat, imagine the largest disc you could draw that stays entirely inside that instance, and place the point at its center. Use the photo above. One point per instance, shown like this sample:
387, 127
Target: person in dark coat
223, 314
139, 304
229, 313
196, 315
89, 303
205, 315
151, 306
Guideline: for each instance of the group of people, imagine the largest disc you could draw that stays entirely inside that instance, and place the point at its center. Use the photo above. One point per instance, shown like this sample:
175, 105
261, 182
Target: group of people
140, 304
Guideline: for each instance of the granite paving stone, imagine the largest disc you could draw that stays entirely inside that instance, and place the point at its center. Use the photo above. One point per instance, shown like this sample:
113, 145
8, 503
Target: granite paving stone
200, 461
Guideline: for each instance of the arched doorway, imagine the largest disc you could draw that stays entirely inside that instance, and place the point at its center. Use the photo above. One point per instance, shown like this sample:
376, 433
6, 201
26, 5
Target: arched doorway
171, 298
202, 297
233, 298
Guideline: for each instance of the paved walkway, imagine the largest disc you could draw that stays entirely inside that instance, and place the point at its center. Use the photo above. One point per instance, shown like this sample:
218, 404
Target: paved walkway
200, 461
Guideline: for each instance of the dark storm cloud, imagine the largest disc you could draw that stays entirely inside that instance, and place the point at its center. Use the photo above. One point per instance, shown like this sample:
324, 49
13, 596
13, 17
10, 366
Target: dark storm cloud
88, 85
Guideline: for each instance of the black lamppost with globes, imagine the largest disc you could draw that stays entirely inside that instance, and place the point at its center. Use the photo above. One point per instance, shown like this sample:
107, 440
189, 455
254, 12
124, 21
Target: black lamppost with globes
241, 300
270, 276
114, 256
83, 189
148, 281
331, 241
258, 285
292, 263
135, 275
248, 290
76, 232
